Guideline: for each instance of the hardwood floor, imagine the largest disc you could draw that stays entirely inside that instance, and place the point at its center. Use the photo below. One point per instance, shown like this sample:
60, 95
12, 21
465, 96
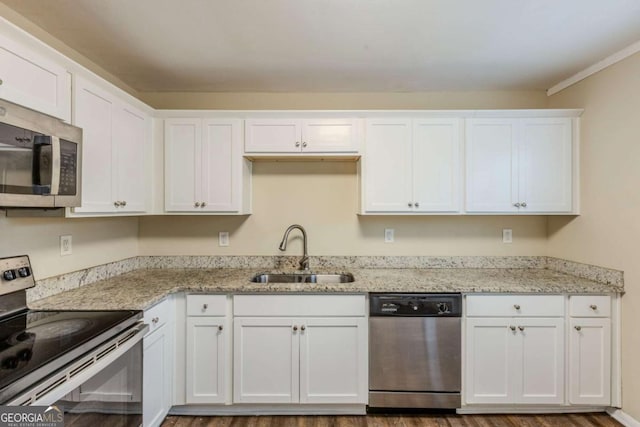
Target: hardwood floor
445, 420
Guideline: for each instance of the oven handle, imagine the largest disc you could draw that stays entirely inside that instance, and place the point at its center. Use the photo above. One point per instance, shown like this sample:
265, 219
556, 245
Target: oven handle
76, 373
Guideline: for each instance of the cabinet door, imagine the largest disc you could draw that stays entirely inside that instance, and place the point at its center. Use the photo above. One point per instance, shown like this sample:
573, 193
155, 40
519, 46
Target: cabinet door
156, 378
221, 186
206, 359
590, 361
34, 81
489, 348
387, 166
330, 136
131, 151
333, 360
545, 165
436, 165
491, 165
182, 163
94, 113
539, 361
273, 136
266, 360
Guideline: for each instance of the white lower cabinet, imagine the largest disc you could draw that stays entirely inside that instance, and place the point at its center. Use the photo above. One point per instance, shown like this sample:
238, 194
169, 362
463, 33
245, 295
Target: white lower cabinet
206, 365
512, 359
157, 374
590, 351
295, 359
515, 360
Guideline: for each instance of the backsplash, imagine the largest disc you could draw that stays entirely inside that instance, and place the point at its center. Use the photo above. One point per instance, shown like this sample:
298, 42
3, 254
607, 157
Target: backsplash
54, 285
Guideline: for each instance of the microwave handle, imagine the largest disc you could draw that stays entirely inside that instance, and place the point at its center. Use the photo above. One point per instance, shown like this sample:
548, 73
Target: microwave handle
55, 165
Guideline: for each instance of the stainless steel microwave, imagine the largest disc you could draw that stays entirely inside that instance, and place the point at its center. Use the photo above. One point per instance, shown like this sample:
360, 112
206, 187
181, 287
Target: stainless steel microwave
40, 160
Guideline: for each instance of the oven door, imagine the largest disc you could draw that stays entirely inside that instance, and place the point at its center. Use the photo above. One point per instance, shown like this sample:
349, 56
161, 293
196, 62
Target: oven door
103, 387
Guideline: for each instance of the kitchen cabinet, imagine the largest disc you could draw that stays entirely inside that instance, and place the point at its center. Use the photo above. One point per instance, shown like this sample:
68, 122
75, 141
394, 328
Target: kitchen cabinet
412, 166
158, 363
337, 135
207, 365
33, 80
590, 350
204, 168
515, 359
519, 165
115, 147
281, 356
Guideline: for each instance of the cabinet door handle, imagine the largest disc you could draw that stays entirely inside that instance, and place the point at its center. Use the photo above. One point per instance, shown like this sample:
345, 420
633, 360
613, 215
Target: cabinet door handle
155, 320
513, 328
304, 144
220, 327
523, 204
295, 328
417, 205
196, 204
203, 204
517, 205
124, 203
205, 306
593, 307
116, 203
297, 143
516, 306
1, 82
578, 328
302, 328
521, 328
410, 204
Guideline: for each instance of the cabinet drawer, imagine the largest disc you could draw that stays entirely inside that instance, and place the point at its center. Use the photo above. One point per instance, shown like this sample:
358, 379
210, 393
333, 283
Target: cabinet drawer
515, 305
157, 315
206, 305
590, 306
299, 305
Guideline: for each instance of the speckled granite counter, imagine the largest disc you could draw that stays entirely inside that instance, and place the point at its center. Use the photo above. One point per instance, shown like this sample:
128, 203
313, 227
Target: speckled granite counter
142, 288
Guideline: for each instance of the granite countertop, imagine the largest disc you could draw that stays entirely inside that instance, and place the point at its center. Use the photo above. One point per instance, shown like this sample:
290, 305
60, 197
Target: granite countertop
143, 288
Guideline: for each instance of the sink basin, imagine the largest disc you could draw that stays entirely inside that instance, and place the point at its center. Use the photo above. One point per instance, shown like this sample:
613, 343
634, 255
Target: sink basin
303, 278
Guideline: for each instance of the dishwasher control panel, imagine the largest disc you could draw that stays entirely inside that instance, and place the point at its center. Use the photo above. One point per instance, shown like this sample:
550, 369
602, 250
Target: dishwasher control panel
421, 305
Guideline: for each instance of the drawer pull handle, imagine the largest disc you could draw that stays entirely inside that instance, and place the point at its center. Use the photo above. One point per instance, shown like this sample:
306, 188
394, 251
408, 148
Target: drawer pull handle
516, 306
513, 328
220, 328
593, 307
295, 328
521, 328
578, 328
155, 320
205, 306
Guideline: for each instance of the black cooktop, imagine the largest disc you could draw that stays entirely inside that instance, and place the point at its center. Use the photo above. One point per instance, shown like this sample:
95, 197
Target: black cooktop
35, 344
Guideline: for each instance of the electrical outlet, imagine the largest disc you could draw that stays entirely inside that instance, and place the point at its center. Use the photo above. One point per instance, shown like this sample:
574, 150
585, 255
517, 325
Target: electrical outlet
388, 235
507, 235
65, 245
223, 238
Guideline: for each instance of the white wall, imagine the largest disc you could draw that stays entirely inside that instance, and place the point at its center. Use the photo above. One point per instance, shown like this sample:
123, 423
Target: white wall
608, 231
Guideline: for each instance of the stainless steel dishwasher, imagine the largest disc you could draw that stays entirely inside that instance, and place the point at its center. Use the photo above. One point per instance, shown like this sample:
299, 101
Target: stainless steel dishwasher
415, 351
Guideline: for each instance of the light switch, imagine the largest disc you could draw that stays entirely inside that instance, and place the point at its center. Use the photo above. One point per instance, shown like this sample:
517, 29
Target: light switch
507, 235
388, 235
223, 238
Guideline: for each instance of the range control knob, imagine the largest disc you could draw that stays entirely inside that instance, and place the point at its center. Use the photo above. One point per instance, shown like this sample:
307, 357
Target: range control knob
25, 355
24, 272
9, 275
10, 363
414, 306
443, 308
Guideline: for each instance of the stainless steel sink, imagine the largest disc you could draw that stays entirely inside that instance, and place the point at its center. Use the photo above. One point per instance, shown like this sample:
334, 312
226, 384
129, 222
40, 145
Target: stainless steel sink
303, 278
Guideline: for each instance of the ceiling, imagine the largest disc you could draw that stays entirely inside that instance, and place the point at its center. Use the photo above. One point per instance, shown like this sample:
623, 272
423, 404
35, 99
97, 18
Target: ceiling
339, 45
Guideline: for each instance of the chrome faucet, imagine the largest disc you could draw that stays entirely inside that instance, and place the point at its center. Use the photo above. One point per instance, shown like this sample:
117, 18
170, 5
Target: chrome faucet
304, 262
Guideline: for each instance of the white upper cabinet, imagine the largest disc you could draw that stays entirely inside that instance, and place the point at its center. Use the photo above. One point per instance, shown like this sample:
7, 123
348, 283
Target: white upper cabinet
295, 136
204, 168
412, 166
519, 165
34, 81
115, 145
